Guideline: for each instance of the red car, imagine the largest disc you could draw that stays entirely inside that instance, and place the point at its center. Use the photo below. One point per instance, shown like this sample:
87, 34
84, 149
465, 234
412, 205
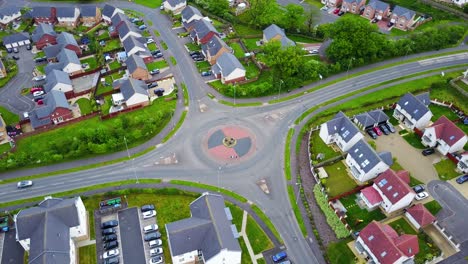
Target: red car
35, 89
336, 11
40, 102
377, 131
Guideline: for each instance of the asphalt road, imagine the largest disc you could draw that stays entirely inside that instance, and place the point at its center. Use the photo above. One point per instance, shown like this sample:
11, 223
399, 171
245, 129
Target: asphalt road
193, 163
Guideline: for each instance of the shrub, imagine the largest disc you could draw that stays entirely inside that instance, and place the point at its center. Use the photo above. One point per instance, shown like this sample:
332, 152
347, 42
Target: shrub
332, 219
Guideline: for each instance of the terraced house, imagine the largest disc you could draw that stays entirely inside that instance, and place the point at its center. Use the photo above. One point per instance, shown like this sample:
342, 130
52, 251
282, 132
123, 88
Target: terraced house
376, 9
353, 6
90, 15
68, 16
44, 35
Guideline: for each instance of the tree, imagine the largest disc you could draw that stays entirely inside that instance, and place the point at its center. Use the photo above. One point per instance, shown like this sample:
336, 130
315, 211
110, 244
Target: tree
309, 18
465, 8
219, 8
294, 17
262, 12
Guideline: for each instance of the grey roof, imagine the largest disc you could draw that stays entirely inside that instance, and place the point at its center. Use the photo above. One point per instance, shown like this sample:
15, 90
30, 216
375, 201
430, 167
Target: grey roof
52, 51
134, 62
378, 5
173, 3
365, 119
108, 10
188, 12
213, 46
202, 28
215, 69
364, 155
8, 11
350, 1
130, 42
66, 38
272, 31
54, 77
401, 11
118, 18
125, 28
379, 116
227, 63
41, 30
132, 86
286, 42
13, 38
88, 11
386, 157
65, 11
413, 106
48, 228
343, 126
67, 56
208, 229
424, 98
41, 11
53, 66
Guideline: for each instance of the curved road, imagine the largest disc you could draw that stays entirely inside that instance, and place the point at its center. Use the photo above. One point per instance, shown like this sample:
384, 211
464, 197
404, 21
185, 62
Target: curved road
269, 123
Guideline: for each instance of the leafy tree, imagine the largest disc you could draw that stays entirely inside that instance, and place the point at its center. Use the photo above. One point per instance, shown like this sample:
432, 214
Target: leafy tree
293, 17
465, 8
219, 8
310, 17
262, 12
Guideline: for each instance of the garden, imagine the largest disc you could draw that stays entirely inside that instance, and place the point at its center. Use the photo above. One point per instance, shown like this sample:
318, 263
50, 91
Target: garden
157, 65
340, 253
332, 219
338, 181
111, 45
358, 218
317, 146
446, 169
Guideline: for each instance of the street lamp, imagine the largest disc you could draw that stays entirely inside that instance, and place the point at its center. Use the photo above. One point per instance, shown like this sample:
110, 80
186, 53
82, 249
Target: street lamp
126, 146
298, 191
349, 65
133, 161
279, 90
219, 171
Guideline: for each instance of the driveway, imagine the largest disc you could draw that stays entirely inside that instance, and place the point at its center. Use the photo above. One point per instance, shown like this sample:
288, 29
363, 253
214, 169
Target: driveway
408, 157
130, 236
440, 240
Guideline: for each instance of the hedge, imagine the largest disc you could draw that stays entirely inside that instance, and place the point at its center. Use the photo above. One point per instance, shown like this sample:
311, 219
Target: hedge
332, 219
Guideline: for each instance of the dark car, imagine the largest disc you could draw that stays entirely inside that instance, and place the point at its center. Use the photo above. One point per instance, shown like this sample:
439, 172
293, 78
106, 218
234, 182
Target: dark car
9, 50
155, 71
199, 59
155, 52
428, 152
341, 13
384, 129
418, 188
113, 260
206, 73
158, 55
194, 52
16, 57
108, 231
152, 236
151, 85
38, 98
28, 47
279, 256
371, 133
462, 179
159, 92
110, 237
147, 207
390, 24
390, 127
111, 245
41, 59
109, 224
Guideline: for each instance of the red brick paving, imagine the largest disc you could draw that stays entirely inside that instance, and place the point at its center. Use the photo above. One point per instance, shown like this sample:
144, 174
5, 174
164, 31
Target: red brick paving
222, 152
235, 132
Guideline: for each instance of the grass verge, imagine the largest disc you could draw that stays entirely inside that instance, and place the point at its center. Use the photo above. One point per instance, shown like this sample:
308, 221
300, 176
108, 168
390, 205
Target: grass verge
238, 104
433, 207
211, 188
267, 221
177, 126
287, 155
186, 95
88, 254
257, 238
173, 60
296, 210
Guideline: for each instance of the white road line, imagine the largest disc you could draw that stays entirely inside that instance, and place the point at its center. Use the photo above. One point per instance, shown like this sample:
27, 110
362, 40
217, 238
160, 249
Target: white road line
443, 59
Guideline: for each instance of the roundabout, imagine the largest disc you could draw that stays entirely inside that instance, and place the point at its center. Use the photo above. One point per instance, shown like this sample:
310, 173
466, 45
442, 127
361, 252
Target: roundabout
229, 143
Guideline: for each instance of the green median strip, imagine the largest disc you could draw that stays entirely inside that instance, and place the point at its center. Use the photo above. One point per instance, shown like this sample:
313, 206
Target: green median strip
296, 210
178, 125
287, 154
211, 188
236, 104
186, 95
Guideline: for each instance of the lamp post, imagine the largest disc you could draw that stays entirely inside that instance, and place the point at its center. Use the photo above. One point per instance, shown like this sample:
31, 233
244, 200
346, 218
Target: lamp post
298, 191
219, 172
126, 146
133, 161
279, 90
349, 65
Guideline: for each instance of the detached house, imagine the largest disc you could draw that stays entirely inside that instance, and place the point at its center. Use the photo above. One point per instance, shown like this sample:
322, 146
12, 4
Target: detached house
445, 136
68, 16
382, 244
332, 3
390, 191
273, 32
341, 131
134, 93
16, 40
376, 9
43, 14
133, 45
109, 11
65, 40
419, 216
127, 29
203, 31
413, 111
189, 16
364, 163
402, 17
137, 68
214, 48
228, 69
208, 236
353, 6
67, 62
49, 232
174, 6
90, 15
9, 14
462, 164
55, 110
44, 35
58, 81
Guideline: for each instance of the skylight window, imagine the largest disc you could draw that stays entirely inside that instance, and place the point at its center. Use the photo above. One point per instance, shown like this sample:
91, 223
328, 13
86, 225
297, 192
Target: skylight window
389, 188
406, 103
452, 137
382, 182
395, 195
371, 237
356, 150
383, 254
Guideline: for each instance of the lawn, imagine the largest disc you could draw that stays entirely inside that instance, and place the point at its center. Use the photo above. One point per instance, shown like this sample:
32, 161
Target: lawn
192, 46
203, 66
338, 181
433, 207
152, 46
359, 218
245, 30
107, 104
41, 68
88, 254
446, 169
302, 39
446, 92
163, 45
103, 36
8, 116
245, 253
40, 54
414, 140
114, 65
238, 51
262, 86
4, 147
251, 70
463, 85
438, 111
150, 4
103, 89
258, 239
157, 65
91, 61
85, 106
340, 253
112, 44
251, 43
237, 214
317, 146
173, 61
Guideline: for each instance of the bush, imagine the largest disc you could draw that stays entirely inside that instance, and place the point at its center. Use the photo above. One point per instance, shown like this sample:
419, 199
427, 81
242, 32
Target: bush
332, 219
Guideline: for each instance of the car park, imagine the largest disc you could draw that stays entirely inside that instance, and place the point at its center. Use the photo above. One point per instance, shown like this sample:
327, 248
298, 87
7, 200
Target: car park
390, 127
24, 184
462, 179
38, 93
15, 50
152, 236
156, 251
384, 129
15, 57
147, 207
279, 256
113, 260
428, 152
150, 228
110, 253
153, 84
377, 131
156, 260
111, 245
371, 133
155, 243
110, 237
420, 196
155, 71
149, 214
206, 73
109, 224
419, 188
108, 231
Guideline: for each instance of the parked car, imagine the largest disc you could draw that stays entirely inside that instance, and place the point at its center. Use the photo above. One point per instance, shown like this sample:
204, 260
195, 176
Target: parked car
371, 133
155, 243
419, 188
28, 47
109, 224
324, 8
152, 236
111, 245
9, 50
336, 11
108, 231
142, 27
375, 20
24, 184
156, 260
390, 127
279, 256
40, 102
390, 24
41, 59
313, 51
15, 57
35, 89
384, 129
153, 84
161, 7
428, 151
155, 71
150, 228
135, 19
15, 50
110, 253
110, 237
341, 13
39, 78
147, 207
38, 98
206, 73
199, 59
158, 55
462, 179
377, 131
155, 52
149, 214
148, 41
420, 196
191, 53
156, 251
113, 260
38, 93
159, 92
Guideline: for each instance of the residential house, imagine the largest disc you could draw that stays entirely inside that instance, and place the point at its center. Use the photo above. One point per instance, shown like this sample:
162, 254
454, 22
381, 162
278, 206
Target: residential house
65, 40
9, 14
67, 16
228, 69
376, 9
462, 164
382, 244
44, 14
203, 31
90, 15
174, 6
273, 32
49, 232
3, 71
413, 111
332, 3
67, 62
403, 18
55, 110
109, 11
44, 35
460, 3
364, 121
445, 136
127, 29
3, 131
58, 81
137, 68
353, 6
133, 45
189, 16
134, 92
16, 40
214, 48
117, 20
390, 191
341, 131
208, 235
419, 216
364, 163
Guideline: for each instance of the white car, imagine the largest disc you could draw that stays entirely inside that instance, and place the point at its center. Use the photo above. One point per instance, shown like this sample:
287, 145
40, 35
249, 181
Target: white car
422, 195
38, 93
149, 214
24, 184
155, 243
148, 41
110, 253
156, 251
150, 228
39, 78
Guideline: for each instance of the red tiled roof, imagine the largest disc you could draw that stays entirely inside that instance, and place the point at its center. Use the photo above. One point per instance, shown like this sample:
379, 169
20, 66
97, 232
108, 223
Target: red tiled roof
447, 131
371, 195
392, 186
407, 244
404, 175
420, 213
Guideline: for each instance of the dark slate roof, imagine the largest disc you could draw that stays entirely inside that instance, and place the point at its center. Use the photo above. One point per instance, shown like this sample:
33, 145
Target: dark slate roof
88, 11
41, 30
379, 116
401, 11
126, 27
208, 229
365, 119
22, 36
286, 42
424, 98
130, 42
378, 5
134, 62
364, 155
350, 1
272, 31
202, 28
117, 18
108, 10
67, 56
343, 126
173, 3
8, 11
65, 11
48, 228
386, 157
54, 77
41, 11
53, 66
132, 86
213, 46
66, 38
227, 63
413, 106
189, 12
52, 51
215, 69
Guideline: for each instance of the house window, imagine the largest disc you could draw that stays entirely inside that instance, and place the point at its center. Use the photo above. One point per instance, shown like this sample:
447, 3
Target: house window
382, 183
60, 118
371, 237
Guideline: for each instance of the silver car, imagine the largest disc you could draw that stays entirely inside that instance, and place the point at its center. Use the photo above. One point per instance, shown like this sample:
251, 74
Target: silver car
24, 184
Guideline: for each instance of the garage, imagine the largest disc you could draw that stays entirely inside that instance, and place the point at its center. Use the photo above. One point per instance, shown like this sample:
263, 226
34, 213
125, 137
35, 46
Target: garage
16, 40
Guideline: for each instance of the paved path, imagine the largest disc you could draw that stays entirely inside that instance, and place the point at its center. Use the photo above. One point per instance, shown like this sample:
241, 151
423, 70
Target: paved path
246, 238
